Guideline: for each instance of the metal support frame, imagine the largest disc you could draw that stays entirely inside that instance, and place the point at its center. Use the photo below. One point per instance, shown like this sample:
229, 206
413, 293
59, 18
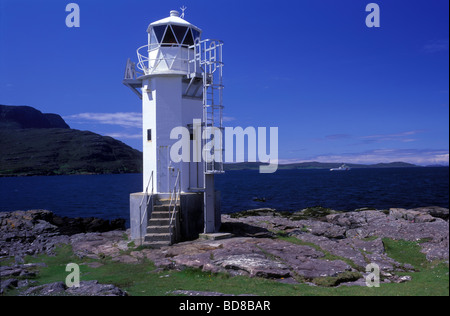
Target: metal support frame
130, 78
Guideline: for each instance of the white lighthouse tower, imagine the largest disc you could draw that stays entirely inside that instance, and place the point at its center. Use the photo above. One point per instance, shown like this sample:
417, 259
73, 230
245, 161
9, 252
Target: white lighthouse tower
179, 79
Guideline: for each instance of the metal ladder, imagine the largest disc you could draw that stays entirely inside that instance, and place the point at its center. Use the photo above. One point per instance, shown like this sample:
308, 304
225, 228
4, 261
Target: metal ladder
208, 60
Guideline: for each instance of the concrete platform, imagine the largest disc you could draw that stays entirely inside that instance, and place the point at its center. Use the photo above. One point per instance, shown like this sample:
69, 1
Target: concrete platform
190, 215
215, 236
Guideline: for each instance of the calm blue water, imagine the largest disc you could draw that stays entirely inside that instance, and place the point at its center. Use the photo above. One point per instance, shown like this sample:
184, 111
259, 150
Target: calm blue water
107, 196
291, 190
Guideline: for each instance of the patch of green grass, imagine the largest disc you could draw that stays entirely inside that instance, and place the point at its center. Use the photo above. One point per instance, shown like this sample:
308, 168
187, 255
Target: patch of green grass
405, 252
54, 270
305, 229
370, 238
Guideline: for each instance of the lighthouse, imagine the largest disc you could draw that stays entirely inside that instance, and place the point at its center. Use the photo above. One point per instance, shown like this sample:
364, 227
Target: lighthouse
178, 77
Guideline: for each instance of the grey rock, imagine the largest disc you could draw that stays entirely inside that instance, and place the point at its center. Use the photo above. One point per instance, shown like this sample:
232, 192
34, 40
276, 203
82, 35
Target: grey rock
400, 279
25, 283
360, 282
316, 268
126, 259
437, 249
93, 288
8, 284
17, 270
435, 211
352, 220
255, 265
52, 289
199, 260
9, 272
360, 252
401, 224
86, 288
42, 227
39, 231
288, 252
411, 215
325, 229
19, 260
99, 245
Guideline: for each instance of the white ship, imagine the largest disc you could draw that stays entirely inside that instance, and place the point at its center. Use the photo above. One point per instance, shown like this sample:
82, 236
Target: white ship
344, 167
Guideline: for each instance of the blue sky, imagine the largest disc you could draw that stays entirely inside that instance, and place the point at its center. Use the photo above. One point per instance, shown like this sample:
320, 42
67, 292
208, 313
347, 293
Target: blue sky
337, 90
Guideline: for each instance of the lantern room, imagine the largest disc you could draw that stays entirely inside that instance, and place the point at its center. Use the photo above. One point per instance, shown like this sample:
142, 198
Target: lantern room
169, 42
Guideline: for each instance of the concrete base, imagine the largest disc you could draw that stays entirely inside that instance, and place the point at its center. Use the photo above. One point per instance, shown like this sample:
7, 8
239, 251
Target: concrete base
215, 236
191, 217
138, 215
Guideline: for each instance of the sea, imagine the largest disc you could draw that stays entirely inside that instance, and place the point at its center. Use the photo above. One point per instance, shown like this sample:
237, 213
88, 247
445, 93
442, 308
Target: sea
107, 196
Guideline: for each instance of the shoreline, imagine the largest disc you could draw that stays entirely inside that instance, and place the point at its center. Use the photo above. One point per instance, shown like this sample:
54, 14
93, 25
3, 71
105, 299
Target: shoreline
313, 213
60, 175
234, 168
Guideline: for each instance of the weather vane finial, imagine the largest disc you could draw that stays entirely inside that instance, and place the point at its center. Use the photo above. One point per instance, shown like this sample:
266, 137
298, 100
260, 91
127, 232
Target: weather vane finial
183, 8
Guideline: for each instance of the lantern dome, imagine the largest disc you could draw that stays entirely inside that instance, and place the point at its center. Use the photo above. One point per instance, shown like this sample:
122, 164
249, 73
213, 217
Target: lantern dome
173, 30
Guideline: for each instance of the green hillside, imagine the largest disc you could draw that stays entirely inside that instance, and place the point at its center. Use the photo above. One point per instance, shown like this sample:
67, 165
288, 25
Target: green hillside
33, 143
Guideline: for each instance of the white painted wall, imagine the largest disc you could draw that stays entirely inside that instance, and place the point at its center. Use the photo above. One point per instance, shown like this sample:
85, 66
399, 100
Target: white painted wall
164, 108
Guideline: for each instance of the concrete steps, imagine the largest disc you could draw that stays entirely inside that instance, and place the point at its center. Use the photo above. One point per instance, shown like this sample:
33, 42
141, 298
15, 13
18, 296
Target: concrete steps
166, 237
159, 232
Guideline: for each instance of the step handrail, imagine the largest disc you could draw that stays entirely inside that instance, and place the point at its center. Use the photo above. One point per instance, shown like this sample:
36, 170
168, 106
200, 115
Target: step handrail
149, 199
174, 200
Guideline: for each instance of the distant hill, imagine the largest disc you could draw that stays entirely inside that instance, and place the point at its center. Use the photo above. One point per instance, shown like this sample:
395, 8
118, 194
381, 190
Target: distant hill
33, 143
18, 117
315, 165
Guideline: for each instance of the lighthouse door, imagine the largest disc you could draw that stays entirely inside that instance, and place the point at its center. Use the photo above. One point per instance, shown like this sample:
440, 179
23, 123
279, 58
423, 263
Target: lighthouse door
167, 170
163, 169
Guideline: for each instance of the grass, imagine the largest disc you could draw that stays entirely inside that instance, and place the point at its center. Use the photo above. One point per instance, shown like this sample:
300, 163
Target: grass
144, 279
431, 278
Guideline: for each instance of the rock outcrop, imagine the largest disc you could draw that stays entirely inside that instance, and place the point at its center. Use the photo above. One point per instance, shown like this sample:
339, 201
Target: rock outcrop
39, 231
332, 250
86, 288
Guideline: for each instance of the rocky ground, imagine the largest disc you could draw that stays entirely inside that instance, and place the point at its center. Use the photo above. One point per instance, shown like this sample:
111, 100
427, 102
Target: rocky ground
322, 247
24, 233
